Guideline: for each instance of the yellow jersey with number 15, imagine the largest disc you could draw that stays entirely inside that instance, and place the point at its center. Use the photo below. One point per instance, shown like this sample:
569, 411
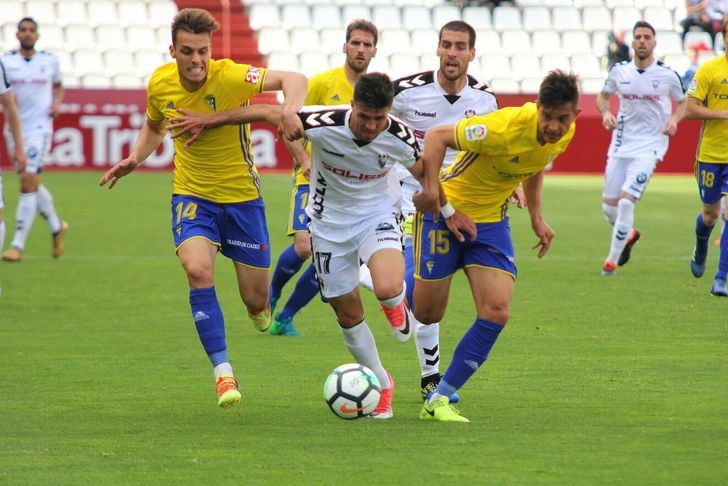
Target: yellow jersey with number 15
219, 165
499, 150
327, 88
710, 85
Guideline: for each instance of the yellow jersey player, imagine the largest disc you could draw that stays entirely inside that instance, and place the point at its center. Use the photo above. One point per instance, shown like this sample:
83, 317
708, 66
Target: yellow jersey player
216, 200
708, 101
499, 150
333, 87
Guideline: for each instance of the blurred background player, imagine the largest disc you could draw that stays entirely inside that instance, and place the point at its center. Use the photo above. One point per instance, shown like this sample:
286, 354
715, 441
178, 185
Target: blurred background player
12, 119
708, 101
332, 87
425, 100
216, 201
499, 150
36, 80
639, 138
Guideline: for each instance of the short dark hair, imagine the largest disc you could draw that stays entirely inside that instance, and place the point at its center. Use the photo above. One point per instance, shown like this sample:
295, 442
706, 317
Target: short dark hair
643, 24
459, 26
194, 21
559, 88
366, 26
374, 90
28, 19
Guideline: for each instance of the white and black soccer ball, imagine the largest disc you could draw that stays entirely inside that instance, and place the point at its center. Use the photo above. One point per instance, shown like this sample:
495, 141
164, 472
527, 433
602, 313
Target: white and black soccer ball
352, 391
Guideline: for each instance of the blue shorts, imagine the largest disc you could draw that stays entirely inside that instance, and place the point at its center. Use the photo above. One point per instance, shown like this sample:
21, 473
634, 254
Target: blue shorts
239, 229
438, 254
712, 181
298, 219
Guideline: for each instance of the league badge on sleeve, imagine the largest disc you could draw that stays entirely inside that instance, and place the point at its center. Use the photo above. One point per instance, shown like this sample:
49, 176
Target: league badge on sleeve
475, 132
693, 86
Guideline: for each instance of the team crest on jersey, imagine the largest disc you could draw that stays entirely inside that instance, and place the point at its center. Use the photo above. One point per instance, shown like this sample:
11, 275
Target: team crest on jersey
211, 101
655, 83
430, 265
469, 113
383, 158
336, 98
475, 132
170, 105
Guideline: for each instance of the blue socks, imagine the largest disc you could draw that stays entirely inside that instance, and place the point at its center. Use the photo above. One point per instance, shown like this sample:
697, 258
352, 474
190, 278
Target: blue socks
470, 354
723, 259
210, 323
288, 264
306, 289
702, 232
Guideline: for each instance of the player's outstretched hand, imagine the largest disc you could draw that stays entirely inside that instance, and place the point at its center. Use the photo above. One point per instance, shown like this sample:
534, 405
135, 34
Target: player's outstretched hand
459, 223
670, 128
21, 160
125, 167
189, 122
291, 126
545, 236
609, 121
518, 198
426, 203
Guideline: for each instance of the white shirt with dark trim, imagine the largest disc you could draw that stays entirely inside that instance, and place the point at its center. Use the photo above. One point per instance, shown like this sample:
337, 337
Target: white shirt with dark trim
4, 81
32, 81
352, 181
420, 102
644, 107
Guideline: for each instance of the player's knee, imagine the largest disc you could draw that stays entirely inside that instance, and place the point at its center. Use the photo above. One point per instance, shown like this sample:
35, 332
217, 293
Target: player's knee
498, 312
711, 213
390, 294
199, 276
428, 314
302, 247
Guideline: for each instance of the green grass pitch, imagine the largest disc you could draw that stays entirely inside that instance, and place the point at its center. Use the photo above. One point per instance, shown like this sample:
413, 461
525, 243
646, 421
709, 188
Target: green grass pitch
595, 380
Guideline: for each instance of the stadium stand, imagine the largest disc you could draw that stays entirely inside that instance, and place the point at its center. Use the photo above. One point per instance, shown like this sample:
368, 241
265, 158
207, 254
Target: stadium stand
115, 43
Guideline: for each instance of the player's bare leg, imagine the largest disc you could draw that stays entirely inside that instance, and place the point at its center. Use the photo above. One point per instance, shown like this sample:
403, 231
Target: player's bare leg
386, 267
360, 343
253, 287
431, 297
197, 257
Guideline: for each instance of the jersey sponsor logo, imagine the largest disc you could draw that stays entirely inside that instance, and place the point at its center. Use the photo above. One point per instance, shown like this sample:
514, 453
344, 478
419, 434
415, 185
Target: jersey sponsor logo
475, 132
625, 82
383, 158
720, 96
316, 119
245, 244
317, 204
411, 83
646, 97
426, 113
331, 152
352, 175
641, 178
253, 75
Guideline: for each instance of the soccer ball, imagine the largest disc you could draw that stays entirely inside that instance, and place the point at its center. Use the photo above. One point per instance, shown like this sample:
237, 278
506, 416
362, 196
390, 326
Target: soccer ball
352, 391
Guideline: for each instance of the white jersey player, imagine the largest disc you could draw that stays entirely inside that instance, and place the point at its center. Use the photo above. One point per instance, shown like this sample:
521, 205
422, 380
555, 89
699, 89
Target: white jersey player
36, 80
646, 88
10, 111
354, 207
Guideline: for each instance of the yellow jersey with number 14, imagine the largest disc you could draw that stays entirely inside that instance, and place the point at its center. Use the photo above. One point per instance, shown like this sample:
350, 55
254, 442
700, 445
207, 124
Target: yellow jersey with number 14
328, 88
710, 85
498, 151
219, 165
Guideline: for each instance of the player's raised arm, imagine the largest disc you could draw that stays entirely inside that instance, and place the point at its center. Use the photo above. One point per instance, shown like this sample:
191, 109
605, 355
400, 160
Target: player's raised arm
150, 136
533, 187
295, 88
437, 140
195, 124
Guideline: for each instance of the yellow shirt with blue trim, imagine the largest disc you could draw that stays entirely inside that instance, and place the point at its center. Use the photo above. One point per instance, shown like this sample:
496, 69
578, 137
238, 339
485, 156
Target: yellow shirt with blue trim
219, 165
499, 150
328, 88
710, 85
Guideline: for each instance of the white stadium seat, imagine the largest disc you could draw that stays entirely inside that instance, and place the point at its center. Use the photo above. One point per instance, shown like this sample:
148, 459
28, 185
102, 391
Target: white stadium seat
133, 13
555, 61
293, 16
487, 41
566, 18
284, 61
625, 18
588, 3
141, 37
576, 42
95, 81
558, 3
597, 18
651, 3
506, 18
380, 64
416, 17
536, 18
386, 17
678, 62
395, 41
516, 41
694, 38
71, 12
303, 39
592, 85
42, 11
79, 37
332, 40
443, 14
272, 39
619, 3
313, 62
403, 64
660, 18
102, 12
110, 37
525, 66
87, 61
146, 61
127, 81
10, 12
429, 61
263, 15
719, 46
424, 41
505, 85
51, 37
478, 17
546, 42
531, 85
119, 61
669, 42
325, 16
587, 66
162, 13
354, 12
65, 61
495, 66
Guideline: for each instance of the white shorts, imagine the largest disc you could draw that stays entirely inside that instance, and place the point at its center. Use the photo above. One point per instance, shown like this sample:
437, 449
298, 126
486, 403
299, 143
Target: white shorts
337, 263
627, 174
37, 148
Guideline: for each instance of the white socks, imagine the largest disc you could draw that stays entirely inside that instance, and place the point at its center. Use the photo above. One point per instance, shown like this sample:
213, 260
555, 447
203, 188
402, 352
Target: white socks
360, 342
427, 344
393, 302
24, 217
622, 228
222, 369
2, 235
47, 209
610, 212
